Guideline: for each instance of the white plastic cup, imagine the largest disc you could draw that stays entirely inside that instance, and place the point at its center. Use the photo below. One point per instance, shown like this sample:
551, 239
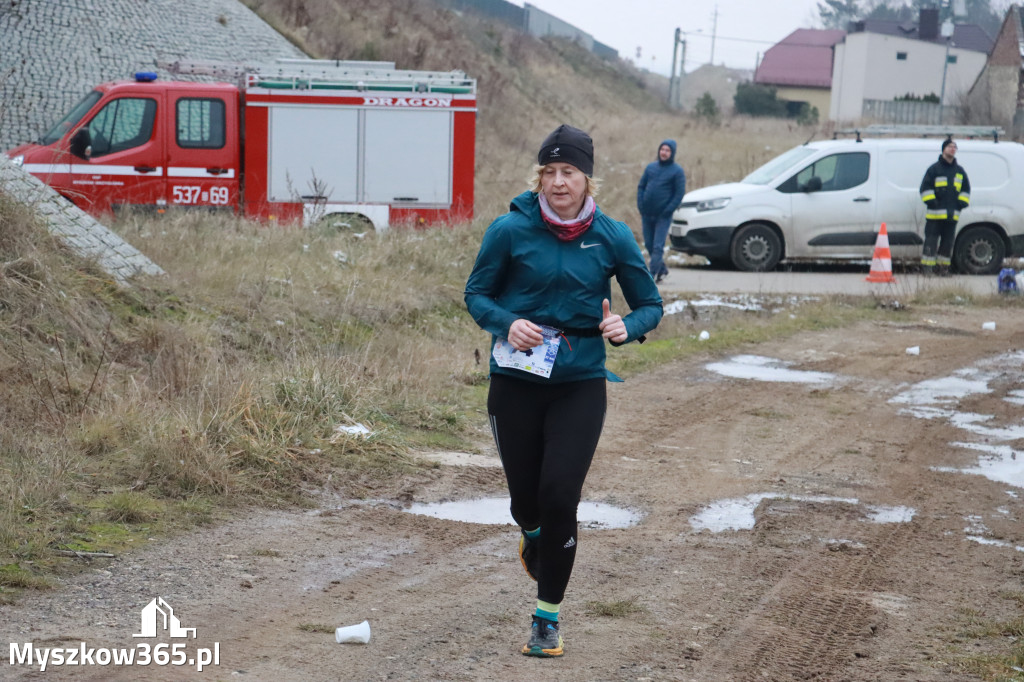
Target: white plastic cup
357, 634
914, 350
989, 326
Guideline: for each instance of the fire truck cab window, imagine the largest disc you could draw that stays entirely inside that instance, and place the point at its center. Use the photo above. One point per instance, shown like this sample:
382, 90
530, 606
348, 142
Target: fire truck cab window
200, 123
72, 119
122, 124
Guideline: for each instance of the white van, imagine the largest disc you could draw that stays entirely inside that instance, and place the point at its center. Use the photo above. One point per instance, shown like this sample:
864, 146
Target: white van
826, 201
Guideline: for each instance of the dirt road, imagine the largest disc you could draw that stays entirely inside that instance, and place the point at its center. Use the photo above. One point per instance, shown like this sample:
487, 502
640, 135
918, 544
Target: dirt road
844, 516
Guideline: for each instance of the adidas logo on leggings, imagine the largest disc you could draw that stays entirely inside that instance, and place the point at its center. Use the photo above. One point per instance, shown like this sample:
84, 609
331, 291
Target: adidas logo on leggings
571, 543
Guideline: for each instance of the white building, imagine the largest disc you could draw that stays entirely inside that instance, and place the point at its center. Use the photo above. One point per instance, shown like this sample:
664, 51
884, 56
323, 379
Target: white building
884, 60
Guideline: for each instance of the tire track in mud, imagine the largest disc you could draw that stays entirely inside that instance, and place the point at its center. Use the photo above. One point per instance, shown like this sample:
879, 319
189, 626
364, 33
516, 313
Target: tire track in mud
815, 618
803, 618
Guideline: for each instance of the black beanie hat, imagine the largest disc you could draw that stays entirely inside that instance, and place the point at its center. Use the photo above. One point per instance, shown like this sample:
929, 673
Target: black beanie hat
568, 145
947, 141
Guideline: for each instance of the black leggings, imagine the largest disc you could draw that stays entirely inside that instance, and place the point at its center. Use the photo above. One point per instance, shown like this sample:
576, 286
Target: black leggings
546, 436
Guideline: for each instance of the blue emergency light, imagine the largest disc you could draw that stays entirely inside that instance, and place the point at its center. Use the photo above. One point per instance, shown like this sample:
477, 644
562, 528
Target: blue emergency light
145, 76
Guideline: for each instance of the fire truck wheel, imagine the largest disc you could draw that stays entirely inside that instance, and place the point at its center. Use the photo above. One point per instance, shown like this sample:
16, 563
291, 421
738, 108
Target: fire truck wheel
344, 222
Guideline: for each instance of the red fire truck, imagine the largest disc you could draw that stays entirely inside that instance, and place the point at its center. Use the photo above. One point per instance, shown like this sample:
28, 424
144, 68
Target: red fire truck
298, 140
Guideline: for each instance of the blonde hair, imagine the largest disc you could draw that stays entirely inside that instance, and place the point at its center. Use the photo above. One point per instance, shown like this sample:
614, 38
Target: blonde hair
591, 190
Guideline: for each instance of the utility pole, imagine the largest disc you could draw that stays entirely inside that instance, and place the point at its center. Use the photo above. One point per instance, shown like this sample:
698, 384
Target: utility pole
682, 71
714, 32
675, 82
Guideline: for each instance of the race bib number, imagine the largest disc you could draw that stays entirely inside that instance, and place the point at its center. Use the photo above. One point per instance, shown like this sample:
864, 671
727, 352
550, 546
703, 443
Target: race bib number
539, 360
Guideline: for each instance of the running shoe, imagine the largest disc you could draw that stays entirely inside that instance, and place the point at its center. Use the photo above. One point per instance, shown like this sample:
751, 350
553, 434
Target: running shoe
545, 642
529, 555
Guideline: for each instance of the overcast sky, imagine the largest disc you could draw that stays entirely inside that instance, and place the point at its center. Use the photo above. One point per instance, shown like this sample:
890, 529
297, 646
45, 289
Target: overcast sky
744, 28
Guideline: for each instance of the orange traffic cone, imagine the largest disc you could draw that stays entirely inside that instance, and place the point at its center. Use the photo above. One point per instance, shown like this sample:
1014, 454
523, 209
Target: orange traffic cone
881, 264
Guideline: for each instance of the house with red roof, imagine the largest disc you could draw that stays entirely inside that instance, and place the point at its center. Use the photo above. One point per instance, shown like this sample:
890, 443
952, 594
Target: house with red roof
883, 60
800, 68
997, 96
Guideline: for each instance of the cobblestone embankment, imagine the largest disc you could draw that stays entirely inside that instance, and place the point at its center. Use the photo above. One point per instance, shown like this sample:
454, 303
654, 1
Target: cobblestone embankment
77, 229
53, 51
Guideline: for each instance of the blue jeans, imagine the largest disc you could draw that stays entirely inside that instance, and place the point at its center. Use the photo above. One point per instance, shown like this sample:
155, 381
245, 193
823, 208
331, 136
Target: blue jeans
655, 229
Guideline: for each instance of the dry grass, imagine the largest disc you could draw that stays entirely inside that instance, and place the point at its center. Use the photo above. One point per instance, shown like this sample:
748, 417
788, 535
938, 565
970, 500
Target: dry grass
991, 647
225, 380
615, 609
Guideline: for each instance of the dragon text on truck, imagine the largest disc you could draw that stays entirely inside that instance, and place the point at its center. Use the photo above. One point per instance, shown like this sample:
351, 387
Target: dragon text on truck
295, 141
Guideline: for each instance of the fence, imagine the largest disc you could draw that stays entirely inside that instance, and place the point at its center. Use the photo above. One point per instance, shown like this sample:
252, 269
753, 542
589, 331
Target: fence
534, 21
501, 10
908, 111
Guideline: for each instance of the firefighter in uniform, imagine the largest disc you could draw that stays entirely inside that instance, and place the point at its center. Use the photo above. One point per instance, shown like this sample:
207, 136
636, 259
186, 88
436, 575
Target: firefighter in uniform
945, 190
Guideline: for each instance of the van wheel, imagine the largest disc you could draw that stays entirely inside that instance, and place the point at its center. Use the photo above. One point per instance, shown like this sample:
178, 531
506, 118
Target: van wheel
979, 251
756, 248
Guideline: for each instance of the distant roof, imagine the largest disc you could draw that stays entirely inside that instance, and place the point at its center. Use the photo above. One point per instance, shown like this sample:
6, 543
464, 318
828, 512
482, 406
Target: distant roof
965, 36
803, 58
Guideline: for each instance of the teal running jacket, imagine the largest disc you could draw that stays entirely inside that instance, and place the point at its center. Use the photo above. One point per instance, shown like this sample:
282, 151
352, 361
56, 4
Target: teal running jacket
523, 270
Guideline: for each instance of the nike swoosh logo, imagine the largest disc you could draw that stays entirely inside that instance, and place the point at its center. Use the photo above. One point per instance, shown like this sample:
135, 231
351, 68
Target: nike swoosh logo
584, 245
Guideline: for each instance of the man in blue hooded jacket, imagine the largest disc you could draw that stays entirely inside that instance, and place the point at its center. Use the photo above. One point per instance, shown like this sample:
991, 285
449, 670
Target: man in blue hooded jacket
661, 188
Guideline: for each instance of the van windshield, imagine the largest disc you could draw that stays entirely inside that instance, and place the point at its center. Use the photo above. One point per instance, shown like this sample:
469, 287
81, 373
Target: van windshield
72, 119
771, 170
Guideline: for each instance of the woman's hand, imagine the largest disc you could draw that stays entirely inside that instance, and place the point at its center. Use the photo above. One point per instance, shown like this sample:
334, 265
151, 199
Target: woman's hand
524, 335
612, 327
